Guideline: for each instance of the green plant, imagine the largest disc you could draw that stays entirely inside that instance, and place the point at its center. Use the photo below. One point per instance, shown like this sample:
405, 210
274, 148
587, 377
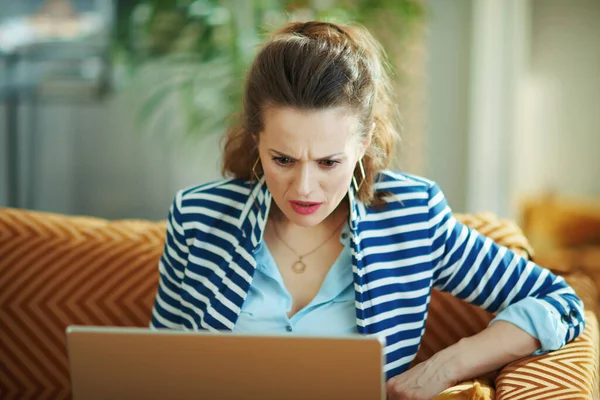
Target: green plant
191, 55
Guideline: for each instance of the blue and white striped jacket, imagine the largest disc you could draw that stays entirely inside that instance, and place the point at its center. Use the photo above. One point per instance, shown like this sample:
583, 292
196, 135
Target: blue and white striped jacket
399, 253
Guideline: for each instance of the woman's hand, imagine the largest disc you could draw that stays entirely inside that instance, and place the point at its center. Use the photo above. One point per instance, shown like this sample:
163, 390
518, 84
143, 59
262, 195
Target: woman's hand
427, 379
422, 382
497, 345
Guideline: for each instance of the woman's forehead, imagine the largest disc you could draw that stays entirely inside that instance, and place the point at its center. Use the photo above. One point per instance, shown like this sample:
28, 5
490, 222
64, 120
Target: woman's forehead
286, 123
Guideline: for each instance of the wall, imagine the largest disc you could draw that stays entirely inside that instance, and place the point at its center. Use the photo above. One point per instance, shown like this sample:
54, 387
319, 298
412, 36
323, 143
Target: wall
448, 69
110, 168
514, 101
558, 137
3, 166
90, 158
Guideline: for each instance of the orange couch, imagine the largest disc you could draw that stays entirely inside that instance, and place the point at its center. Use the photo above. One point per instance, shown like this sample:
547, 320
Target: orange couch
58, 270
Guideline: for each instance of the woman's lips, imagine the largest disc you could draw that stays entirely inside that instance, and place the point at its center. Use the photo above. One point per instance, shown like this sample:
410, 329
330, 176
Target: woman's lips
305, 207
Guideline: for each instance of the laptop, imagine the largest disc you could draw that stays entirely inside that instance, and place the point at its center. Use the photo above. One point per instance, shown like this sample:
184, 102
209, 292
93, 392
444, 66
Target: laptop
140, 363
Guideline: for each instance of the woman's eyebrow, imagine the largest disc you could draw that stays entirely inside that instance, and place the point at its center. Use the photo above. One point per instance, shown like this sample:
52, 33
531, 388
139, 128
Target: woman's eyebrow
280, 154
332, 156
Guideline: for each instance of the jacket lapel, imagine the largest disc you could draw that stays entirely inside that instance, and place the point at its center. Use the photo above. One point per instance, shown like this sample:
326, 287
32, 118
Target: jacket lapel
240, 270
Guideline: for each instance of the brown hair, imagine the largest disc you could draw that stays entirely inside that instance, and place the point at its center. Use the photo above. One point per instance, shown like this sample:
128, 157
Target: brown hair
312, 66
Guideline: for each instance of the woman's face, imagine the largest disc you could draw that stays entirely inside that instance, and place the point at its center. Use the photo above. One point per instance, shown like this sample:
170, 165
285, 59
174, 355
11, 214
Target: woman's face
308, 159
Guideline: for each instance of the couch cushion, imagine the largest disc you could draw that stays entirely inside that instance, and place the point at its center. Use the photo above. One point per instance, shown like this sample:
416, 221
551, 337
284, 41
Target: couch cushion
570, 373
57, 271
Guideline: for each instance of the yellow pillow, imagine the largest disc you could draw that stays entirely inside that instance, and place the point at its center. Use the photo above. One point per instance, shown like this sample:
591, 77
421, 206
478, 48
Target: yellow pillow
468, 390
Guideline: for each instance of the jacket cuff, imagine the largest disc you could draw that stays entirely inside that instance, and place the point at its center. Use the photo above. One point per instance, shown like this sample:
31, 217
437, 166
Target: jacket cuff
539, 319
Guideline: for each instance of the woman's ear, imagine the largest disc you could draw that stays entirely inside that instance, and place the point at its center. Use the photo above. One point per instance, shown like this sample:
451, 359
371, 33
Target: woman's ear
367, 141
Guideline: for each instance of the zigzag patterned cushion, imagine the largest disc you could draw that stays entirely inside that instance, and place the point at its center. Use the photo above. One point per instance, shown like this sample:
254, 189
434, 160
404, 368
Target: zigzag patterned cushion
564, 374
570, 373
57, 271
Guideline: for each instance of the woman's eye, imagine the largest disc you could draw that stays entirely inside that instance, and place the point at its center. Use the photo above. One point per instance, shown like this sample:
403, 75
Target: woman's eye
329, 163
283, 161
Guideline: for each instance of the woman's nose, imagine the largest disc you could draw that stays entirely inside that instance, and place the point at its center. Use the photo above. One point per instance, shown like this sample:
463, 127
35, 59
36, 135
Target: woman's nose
303, 181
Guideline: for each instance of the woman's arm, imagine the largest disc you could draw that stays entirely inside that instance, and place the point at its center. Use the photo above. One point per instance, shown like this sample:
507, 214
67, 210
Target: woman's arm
166, 312
492, 348
497, 345
536, 310
478, 270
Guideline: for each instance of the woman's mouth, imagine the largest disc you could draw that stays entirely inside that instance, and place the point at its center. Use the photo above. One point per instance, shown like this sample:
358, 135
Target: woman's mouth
305, 207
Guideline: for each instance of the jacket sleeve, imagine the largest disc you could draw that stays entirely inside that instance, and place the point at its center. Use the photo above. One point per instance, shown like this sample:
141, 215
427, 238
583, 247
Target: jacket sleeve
476, 269
166, 312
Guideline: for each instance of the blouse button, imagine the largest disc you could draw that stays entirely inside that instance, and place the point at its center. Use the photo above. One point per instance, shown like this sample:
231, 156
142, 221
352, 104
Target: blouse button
345, 235
288, 328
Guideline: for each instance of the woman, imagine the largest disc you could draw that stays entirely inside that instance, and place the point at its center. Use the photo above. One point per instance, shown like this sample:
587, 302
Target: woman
313, 234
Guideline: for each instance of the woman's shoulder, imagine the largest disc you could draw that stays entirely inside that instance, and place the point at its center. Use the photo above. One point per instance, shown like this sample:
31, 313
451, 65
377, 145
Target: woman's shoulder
225, 193
394, 182
231, 184
405, 196
400, 190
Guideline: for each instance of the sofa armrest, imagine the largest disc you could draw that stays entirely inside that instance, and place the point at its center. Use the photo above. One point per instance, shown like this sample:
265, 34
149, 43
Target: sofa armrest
569, 373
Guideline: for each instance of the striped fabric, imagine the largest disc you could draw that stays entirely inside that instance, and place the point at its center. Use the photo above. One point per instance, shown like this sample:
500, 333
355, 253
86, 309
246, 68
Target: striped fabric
585, 259
450, 318
399, 253
586, 289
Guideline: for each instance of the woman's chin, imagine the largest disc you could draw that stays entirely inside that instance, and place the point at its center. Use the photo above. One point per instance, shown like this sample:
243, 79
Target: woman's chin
305, 220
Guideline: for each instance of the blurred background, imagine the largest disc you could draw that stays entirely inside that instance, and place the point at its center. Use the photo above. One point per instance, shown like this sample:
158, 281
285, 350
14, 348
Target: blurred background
108, 107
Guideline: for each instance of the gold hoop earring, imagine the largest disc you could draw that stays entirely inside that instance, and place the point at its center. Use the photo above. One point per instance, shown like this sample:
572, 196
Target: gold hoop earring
254, 169
364, 176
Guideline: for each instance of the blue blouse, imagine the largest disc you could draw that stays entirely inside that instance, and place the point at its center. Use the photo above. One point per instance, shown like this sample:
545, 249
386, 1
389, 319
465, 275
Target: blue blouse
332, 311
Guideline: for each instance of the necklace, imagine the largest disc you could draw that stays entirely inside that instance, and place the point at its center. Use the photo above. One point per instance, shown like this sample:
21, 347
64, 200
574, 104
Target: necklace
299, 266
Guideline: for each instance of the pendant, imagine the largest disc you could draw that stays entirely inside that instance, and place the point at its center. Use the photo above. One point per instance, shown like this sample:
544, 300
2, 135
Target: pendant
299, 266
